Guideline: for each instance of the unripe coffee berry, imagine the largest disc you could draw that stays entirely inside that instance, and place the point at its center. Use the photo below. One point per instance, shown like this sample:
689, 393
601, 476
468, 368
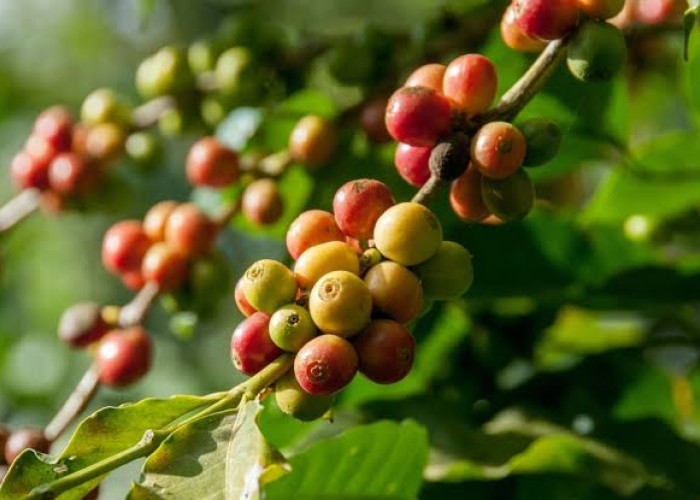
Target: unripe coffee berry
412, 163
408, 233
543, 138
340, 303
268, 285
385, 350
418, 116
103, 106
546, 19
124, 246
320, 260
372, 121
143, 148
82, 324
598, 51
470, 83
514, 37
201, 56
261, 202
312, 228
124, 356
164, 73
24, 439
28, 172
210, 163
252, 348
71, 175
358, 204
511, 198
448, 274
450, 158
294, 401
396, 291
157, 218
498, 150
55, 125
164, 266
325, 365
241, 302
291, 327
313, 141
234, 72
601, 9
465, 196
105, 142
190, 231
429, 76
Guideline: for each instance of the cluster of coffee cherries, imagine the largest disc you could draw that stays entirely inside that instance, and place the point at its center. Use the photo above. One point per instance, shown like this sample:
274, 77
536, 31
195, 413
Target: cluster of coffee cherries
341, 308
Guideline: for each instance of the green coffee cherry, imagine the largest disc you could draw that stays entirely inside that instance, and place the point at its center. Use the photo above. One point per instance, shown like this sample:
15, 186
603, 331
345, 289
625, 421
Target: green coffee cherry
143, 147
201, 56
543, 138
164, 73
102, 106
209, 280
296, 402
212, 110
268, 285
291, 327
172, 122
597, 51
511, 198
448, 274
234, 73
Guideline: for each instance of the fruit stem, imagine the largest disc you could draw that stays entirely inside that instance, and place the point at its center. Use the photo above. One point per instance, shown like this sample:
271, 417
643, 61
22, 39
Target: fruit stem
74, 405
135, 311
227, 214
19, 207
428, 191
148, 113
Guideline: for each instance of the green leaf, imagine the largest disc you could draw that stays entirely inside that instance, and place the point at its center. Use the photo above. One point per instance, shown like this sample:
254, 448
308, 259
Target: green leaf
101, 435
383, 460
239, 127
690, 20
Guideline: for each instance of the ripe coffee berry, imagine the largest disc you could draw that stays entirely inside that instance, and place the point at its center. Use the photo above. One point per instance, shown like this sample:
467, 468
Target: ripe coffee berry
28, 172
396, 291
358, 204
164, 266
385, 350
511, 198
124, 246
601, 9
448, 274
470, 83
313, 141
241, 302
124, 356
291, 327
465, 196
40, 149
325, 365
372, 121
252, 348
340, 303
133, 280
412, 163
656, 11
23, 439
498, 150
262, 203
102, 106
268, 285
210, 163
408, 233
105, 142
546, 19
514, 37
55, 125
156, 219
450, 158
82, 324
543, 138
312, 228
418, 116
320, 260
292, 400
4, 435
598, 51
190, 231
71, 175
429, 76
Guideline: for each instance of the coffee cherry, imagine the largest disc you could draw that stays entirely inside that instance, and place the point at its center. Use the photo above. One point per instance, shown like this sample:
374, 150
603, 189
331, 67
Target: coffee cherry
656, 11
124, 356
546, 19
234, 72
418, 116
261, 202
372, 120
358, 204
124, 246
325, 365
385, 350
313, 141
213, 109
498, 150
601, 9
465, 196
201, 56
55, 126
190, 231
543, 138
252, 348
448, 274
514, 37
312, 228
241, 302
105, 142
143, 147
71, 175
450, 158
210, 163
24, 439
412, 163
396, 291
103, 106
164, 73
157, 218
41, 150
408, 233
511, 198
598, 51
82, 324
29, 173
4, 435
291, 327
164, 266
268, 285
292, 400
172, 122
340, 303
429, 76
470, 83
320, 260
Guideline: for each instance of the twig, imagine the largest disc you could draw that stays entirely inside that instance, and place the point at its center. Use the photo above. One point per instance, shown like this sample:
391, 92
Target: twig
148, 114
428, 191
74, 405
19, 207
135, 311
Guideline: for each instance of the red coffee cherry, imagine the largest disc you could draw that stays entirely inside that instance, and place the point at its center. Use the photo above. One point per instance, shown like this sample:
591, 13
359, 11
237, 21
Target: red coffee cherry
40, 149
412, 163
418, 116
164, 266
55, 124
358, 204
23, 439
470, 83
546, 19
465, 196
82, 324
190, 231
385, 350
210, 163
514, 37
133, 280
252, 349
157, 218
396, 291
325, 365
239, 297
124, 246
29, 173
124, 356
428, 76
656, 11
313, 141
372, 120
312, 228
71, 175
498, 150
601, 9
262, 203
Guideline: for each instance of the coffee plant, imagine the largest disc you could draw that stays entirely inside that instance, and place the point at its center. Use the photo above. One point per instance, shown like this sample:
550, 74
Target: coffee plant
400, 250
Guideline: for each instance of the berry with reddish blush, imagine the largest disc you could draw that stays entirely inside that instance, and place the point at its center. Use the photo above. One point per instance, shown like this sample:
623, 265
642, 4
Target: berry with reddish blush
105, 142
396, 292
211, 164
498, 150
55, 124
385, 350
408, 233
429, 76
470, 83
340, 303
313, 141
164, 266
241, 302
465, 196
156, 219
320, 260
546, 19
82, 324
40, 150
24, 439
514, 37
291, 327
252, 349
292, 400
267, 285
372, 120
124, 246
412, 163
190, 231
358, 204
418, 116
261, 202
325, 365
312, 228
124, 356
71, 175
28, 172
133, 280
